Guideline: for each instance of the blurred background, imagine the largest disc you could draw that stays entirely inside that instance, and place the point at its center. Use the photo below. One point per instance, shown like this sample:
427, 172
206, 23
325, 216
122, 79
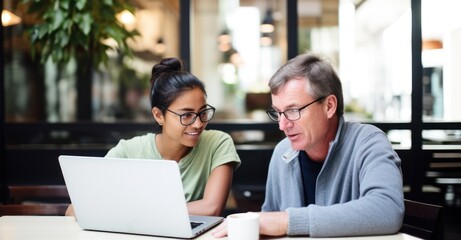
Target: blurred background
398, 60
235, 46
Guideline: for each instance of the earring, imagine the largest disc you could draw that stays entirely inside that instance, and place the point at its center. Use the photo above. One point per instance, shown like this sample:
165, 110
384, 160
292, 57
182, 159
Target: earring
160, 124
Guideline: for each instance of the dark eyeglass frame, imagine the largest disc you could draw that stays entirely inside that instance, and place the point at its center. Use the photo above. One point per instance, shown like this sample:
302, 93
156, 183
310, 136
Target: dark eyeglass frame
272, 113
199, 115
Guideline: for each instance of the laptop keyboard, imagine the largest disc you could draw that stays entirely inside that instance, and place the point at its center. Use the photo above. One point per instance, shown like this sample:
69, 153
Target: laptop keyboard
195, 224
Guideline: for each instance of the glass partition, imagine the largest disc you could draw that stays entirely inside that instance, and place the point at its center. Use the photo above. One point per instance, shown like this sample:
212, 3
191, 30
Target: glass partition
375, 59
318, 27
235, 47
441, 58
116, 92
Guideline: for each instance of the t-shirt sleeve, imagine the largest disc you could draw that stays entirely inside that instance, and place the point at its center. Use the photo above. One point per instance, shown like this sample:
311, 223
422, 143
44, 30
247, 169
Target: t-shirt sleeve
118, 151
136, 147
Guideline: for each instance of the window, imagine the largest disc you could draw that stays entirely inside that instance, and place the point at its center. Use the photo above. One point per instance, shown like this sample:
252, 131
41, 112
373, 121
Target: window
236, 47
441, 57
375, 59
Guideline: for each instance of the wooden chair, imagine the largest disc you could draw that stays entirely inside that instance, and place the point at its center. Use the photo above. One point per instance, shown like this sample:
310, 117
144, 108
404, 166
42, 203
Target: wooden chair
47, 200
44, 209
38, 193
423, 220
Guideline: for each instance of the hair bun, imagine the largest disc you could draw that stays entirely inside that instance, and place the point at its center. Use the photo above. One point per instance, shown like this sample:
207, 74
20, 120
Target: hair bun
167, 65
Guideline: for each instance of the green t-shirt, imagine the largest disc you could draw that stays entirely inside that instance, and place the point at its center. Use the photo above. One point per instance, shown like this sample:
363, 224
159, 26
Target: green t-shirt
213, 149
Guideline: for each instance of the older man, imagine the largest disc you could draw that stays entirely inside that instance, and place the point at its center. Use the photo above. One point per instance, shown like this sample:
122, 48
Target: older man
328, 177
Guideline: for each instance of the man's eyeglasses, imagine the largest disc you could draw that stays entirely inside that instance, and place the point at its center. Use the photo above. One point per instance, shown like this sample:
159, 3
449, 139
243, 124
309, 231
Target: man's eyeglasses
290, 114
188, 118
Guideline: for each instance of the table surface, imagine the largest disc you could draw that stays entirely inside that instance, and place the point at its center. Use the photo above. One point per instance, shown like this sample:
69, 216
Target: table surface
59, 228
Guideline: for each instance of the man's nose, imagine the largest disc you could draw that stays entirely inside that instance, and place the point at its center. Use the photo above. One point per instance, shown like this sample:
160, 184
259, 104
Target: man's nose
284, 123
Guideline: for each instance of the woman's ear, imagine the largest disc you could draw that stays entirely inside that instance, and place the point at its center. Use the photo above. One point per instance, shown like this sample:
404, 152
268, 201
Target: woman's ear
332, 104
158, 115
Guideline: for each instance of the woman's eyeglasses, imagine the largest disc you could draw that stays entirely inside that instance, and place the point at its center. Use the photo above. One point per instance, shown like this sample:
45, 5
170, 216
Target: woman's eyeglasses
188, 118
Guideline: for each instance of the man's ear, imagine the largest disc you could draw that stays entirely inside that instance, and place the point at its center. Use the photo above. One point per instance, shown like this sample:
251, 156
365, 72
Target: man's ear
332, 104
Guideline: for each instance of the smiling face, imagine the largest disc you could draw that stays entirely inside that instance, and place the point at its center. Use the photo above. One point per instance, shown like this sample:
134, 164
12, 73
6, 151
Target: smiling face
174, 134
313, 131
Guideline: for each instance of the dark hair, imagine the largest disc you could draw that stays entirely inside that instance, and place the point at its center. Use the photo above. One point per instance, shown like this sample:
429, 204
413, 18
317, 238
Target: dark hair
169, 81
320, 74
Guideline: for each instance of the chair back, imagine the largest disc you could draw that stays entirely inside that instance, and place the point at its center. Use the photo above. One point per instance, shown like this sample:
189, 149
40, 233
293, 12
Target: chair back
423, 220
46, 200
249, 181
43, 209
18, 194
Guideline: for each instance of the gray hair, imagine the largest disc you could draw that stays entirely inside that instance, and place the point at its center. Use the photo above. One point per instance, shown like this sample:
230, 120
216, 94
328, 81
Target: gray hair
319, 73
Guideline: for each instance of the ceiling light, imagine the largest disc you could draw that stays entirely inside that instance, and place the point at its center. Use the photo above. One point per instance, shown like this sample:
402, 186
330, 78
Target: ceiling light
9, 19
224, 37
160, 46
265, 40
267, 25
127, 19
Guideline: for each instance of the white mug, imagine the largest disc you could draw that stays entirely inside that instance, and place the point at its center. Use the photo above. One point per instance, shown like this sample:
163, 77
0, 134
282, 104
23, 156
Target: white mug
243, 226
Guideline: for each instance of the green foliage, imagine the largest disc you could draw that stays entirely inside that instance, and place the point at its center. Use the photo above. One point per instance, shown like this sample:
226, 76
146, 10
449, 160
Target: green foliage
77, 28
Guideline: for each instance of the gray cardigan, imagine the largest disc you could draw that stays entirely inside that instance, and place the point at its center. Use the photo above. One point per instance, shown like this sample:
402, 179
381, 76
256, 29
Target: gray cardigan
358, 191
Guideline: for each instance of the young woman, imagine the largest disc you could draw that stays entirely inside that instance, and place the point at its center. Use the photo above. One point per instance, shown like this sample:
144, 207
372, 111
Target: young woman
206, 158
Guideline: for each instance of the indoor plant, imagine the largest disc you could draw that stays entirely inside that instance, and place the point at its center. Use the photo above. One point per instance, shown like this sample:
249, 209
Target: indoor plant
76, 28
67, 30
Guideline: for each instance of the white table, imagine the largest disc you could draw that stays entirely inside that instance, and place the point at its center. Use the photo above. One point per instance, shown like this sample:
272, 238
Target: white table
66, 228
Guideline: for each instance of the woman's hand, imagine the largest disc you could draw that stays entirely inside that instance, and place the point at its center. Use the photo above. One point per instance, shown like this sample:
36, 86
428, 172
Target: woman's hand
70, 211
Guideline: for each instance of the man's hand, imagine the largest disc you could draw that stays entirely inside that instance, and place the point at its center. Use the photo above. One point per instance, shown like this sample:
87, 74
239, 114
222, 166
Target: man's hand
270, 224
220, 231
273, 223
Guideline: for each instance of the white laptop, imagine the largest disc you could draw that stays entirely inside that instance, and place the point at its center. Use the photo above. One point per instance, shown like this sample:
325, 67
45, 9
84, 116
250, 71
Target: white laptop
136, 196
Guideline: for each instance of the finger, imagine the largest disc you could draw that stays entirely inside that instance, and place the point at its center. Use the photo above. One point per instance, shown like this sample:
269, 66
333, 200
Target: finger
220, 231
